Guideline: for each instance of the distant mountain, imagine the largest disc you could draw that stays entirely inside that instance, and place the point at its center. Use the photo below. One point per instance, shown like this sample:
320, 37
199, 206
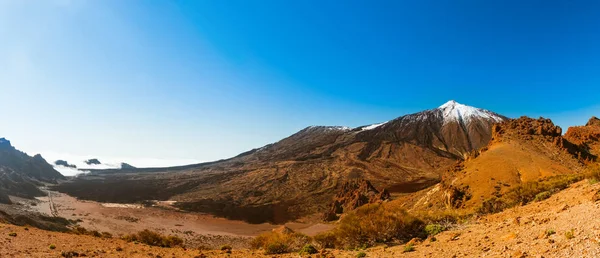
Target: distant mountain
300, 174
64, 163
21, 175
92, 162
127, 166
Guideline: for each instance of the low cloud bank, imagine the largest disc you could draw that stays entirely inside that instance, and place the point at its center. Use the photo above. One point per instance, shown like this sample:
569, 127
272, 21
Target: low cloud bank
108, 162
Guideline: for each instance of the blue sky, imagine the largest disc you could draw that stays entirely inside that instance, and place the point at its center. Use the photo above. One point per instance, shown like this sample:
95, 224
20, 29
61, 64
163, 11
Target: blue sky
189, 81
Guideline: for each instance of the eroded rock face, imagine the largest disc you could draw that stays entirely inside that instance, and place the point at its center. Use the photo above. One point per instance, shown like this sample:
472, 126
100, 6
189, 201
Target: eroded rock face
586, 137
594, 121
543, 130
525, 126
353, 194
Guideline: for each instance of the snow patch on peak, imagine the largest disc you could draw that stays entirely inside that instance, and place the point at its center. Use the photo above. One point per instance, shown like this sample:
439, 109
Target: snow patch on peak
339, 128
453, 111
330, 128
373, 126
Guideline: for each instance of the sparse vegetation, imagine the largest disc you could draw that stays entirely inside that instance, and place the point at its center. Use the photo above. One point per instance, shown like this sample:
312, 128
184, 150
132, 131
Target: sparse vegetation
128, 219
570, 234
325, 240
550, 232
527, 192
542, 196
593, 174
376, 223
95, 233
278, 243
226, 249
409, 248
12, 234
52, 247
154, 239
361, 255
434, 229
308, 249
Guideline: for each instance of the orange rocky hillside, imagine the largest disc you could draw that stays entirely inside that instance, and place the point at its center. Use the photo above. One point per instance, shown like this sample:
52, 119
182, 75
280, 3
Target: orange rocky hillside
587, 137
521, 150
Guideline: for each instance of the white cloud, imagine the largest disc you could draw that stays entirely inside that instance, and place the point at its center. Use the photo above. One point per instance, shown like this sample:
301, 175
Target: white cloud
108, 162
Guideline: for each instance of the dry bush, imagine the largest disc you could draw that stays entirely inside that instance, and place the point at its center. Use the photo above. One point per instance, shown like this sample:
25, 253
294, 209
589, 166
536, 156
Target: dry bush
528, 192
374, 223
325, 239
593, 174
278, 243
154, 239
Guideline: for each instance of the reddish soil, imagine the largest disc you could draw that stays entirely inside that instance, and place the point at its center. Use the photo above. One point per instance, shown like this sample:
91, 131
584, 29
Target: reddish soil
120, 219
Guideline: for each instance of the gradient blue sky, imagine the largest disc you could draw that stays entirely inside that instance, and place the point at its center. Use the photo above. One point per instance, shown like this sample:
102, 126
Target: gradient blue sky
202, 80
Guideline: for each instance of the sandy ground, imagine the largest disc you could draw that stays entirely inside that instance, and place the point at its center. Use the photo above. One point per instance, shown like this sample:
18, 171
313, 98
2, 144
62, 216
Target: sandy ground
120, 219
518, 232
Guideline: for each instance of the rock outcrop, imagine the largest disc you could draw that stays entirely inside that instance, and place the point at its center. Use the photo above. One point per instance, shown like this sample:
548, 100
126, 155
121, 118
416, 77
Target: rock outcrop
586, 137
353, 194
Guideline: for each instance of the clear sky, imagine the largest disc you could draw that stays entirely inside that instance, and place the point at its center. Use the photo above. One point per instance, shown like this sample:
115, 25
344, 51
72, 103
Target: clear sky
184, 81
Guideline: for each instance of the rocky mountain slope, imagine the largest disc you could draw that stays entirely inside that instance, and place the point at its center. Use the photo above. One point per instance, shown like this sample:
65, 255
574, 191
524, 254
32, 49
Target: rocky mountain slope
521, 150
300, 175
20, 174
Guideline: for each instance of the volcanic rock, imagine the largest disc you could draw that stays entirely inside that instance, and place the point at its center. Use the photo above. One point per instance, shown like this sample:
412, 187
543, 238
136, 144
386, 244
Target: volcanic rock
353, 194
594, 121
586, 137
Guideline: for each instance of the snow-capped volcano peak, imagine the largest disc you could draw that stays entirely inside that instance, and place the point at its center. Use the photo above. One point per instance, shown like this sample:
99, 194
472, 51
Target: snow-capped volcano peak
454, 111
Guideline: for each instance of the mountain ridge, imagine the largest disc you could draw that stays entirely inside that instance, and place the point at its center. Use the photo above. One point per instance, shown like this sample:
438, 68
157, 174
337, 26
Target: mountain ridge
299, 175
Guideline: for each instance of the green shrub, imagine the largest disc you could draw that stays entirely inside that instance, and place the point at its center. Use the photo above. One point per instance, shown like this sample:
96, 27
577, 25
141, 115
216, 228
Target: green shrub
570, 234
52, 247
308, 249
434, 229
409, 248
550, 232
12, 234
542, 196
154, 239
361, 255
276, 248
